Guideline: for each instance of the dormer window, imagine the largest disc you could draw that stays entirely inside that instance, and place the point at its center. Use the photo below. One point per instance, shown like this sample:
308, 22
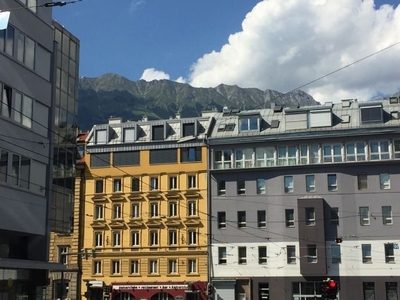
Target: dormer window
101, 136
249, 123
188, 129
371, 113
129, 135
158, 133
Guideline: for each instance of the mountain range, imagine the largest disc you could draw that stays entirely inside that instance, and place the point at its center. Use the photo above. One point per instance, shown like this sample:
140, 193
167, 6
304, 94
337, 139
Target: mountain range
113, 95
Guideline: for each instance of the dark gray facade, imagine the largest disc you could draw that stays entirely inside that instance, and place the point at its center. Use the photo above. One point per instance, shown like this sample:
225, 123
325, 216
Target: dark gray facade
281, 195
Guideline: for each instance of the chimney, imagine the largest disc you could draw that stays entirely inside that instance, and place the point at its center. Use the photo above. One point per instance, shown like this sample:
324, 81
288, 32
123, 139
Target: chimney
114, 120
145, 118
178, 115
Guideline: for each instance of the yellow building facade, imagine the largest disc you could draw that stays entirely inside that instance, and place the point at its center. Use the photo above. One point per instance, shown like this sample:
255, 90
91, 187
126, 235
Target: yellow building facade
146, 231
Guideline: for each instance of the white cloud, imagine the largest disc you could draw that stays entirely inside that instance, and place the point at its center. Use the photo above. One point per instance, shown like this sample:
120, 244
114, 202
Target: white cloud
286, 44
153, 74
135, 4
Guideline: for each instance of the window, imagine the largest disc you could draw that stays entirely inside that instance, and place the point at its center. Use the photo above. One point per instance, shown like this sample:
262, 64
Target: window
172, 266
192, 266
391, 291
192, 237
288, 181
291, 254
379, 150
153, 266
312, 253
192, 182
99, 186
117, 211
265, 157
310, 183
154, 183
248, 124
173, 183
366, 253
26, 50
336, 254
222, 255
190, 154
117, 185
135, 184
241, 187
310, 216
98, 214
221, 217
263, 291
116, 240
334, 216
242, 255
389, 253
3, 165
289, 217
163, 156
135, 210
260, 186
332, 153
362, 180
157, 132
223, 159
369, 290
23, 110
332, 182
97, 267
364, 216
371, 114
261, 219
20, 171
129, 135
153, 238
262, 255
62, 255
115, 265
244, 158
192, 208
172, 209
221, 188
387, 217
135, 238
98, 239
314, 154
100, 160
172, 237
134, 264
153, 210
188, 129
396, 146
241, 219
355, 151
6, 101
101, 136
385, 181
287, 156
303, 155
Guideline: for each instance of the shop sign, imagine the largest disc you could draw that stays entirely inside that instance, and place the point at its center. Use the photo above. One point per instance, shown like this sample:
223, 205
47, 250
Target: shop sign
151, 287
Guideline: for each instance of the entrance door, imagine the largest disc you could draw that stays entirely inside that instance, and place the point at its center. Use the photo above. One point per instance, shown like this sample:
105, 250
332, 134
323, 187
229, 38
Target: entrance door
162, 296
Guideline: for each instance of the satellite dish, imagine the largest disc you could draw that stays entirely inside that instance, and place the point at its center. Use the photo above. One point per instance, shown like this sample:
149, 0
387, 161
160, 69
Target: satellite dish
4, 16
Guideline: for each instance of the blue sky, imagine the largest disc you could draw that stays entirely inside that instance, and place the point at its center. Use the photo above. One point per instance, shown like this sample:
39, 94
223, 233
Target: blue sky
271, 44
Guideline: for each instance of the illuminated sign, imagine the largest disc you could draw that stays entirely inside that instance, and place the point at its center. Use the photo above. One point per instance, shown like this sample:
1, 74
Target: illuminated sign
151, 287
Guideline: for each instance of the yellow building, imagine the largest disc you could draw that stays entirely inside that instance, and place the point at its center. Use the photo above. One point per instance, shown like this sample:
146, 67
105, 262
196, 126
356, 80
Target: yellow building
146, 210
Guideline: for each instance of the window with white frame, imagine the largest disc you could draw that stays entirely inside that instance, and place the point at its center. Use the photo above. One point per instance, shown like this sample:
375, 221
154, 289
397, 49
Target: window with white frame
98, 239
173, 182
291, 254
172, 237
154, 183
241, 187
222, 256
242, 255
261, 219
134, 267
314, 154
265, 157
387, 217
115, 267
241, 219
355, 151
287, 156
366, 253
192, 266
117, 211
364, 216
379, 150
135, 184
99, 186
173, 266
304, 155
310, 216
332, 182
362, 181
248, 124
260, 186
288, 182
135, 238
332, 153
135, 210
310, 183
389, 253
116, 238
153, 266
192, 237
97, 267
221, 218
63, 255
262, 255
192, 208
192, 182
153, 238
98, 212
334, 215
223, 159
172, 209
244, 158
336, 254
221, 189
154, 210
384, 179
289, 217
117, 185
396, 148
312, 253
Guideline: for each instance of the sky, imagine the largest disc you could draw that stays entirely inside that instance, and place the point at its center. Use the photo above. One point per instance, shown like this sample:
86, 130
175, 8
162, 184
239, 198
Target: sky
331, 49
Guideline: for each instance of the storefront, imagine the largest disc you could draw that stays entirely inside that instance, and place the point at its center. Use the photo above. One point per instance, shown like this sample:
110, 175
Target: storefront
159, 291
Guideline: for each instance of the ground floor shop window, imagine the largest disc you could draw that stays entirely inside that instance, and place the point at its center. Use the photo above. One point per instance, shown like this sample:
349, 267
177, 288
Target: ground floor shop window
306, 290
192, 296
263, 291
369, 290
391, 291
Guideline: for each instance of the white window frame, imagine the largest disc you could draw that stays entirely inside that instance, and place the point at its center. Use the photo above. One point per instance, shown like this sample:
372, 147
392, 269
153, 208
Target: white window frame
312, 254
310, 216
310, 183
304, 158
135, 238
192, 208
241, 187
382, 150
260, 186
288, 184
117, 211
173, 183
135, 210
116, 238
134, 267
262, 260
115, 267
247, 123
356, 151
154, 210
99, 212
332, 153
221, 223
226, 161
153, 238
192, 237
153, 266
315, 154
387, 215
265, 157
332, 185
244, 158
63, 254
384, 180
97, 267
365, 219
222, 256
242, 255
172, 266
154, 184
192, 182
192, 266
221, 191
241, 224
290, 222
172, 237
98, 239
389, 253
287, 155
262, 222
396, 149
117, 185
365, 249
291, 254
172, 209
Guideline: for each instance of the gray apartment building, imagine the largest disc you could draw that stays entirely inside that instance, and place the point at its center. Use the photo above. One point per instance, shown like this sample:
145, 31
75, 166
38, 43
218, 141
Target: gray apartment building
299, 195
27, 114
